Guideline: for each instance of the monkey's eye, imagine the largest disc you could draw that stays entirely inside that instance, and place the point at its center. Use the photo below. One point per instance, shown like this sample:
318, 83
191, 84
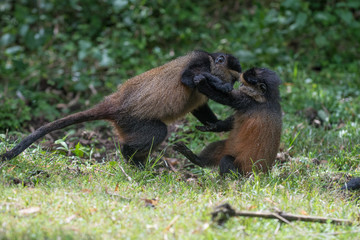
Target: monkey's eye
220, 59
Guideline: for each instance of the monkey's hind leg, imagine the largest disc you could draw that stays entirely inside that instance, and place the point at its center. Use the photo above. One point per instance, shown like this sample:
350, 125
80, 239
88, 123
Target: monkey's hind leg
180, 147
210, 156
142, 137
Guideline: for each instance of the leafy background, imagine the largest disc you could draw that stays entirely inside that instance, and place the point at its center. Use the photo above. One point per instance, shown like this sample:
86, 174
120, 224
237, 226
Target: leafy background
53, 52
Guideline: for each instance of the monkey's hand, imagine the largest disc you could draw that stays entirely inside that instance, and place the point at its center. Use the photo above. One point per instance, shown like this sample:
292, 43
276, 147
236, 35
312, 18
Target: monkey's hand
219, 93
212, 81
210, 127
219, 126
198, 79
217, 83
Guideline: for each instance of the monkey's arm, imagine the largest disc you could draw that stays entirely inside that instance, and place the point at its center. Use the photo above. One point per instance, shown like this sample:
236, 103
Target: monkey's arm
208, 85
215, 82
205, 115
210, 91
219, 126
192, 81
198, 65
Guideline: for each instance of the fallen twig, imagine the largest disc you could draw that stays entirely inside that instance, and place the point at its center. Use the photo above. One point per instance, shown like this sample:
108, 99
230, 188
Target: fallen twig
172, 222
2, 165
223, 212
97, 169
123, 171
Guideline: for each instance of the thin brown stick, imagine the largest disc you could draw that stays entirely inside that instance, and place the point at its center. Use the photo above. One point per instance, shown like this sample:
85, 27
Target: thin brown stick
97, 169
2, 165
123, 171
293, 217
276, 215
223, 212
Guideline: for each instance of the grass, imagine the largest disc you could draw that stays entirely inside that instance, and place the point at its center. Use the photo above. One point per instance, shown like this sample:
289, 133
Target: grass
82, 201
97, 201
46, 195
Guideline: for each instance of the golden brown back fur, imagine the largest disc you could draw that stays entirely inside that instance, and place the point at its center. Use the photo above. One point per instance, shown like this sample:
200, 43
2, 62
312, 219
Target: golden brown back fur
139, 97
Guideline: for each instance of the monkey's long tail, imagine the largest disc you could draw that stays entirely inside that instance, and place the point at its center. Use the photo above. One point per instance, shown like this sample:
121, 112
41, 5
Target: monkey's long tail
98, 112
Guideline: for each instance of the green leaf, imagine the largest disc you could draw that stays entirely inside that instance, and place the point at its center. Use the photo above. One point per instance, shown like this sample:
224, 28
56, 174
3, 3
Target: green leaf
7, 39
301, 19
321, 40
23, 30
323, 115
13, 50
345, 15
63, 144
78, 152
113, 163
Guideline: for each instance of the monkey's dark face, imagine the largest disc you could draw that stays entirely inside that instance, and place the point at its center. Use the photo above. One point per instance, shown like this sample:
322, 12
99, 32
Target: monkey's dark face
227, 60
250, 78
262, 80
226, 66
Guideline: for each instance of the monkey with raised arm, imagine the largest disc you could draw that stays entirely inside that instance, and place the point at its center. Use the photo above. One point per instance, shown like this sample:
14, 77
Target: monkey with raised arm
142, 107
255, 128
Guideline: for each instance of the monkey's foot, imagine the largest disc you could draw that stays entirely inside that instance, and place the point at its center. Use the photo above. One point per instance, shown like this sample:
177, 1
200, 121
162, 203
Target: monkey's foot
227, 166
353, 184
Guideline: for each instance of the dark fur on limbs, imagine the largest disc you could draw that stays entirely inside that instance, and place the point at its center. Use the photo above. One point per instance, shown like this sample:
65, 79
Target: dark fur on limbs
206, 157
142, 136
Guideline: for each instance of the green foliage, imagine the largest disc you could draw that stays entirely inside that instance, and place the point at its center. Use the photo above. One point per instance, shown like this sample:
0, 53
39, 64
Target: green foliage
79, 150
54, 48
13, 112
317, 34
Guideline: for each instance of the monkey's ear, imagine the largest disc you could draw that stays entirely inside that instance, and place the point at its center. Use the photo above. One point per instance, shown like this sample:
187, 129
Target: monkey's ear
263, 87
251, 71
